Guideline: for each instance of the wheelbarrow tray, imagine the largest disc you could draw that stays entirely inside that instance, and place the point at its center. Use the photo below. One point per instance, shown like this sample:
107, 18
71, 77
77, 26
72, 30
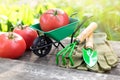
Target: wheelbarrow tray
59, 33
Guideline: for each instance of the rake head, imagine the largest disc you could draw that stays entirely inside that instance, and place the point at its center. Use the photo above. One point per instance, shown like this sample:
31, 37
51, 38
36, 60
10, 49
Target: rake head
67, 52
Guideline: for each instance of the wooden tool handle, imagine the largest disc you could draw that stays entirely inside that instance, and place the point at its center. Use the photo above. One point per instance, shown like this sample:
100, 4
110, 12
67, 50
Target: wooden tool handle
85, 33
89, 41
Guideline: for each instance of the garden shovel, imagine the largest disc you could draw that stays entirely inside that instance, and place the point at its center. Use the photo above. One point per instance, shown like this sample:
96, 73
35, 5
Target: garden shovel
89, 55
68, 50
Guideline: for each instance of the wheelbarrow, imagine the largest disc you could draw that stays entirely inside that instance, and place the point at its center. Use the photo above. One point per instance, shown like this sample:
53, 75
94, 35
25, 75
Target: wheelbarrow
43, 43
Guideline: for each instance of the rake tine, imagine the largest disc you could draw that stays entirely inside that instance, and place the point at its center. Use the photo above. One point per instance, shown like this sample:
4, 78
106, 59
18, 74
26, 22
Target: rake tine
60, 52
71, 52
65, 53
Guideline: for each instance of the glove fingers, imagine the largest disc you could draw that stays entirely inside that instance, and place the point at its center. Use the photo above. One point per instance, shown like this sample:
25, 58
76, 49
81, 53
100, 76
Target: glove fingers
101, 48
110, 56
77, 58
106, 58
102, 63
82, 66
61, 63
111, 59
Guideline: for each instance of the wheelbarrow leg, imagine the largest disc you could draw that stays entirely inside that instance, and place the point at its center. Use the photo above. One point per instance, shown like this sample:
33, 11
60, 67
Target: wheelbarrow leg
59, 43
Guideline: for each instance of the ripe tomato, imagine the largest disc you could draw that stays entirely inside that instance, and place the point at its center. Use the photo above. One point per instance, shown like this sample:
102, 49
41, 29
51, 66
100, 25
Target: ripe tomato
12, 45
52, 19
27, 33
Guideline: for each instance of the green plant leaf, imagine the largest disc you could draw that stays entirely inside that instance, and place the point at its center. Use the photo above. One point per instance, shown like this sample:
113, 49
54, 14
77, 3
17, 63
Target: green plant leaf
10, 26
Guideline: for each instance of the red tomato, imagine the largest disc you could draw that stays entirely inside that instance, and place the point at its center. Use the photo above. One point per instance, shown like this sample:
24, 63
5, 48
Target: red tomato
52, 19
12, 45
27, 33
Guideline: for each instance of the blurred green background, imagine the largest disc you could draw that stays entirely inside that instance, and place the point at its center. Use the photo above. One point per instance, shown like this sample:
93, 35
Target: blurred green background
105, 12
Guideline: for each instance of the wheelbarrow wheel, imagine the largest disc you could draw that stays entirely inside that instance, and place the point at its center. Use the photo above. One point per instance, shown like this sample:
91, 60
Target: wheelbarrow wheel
41, 46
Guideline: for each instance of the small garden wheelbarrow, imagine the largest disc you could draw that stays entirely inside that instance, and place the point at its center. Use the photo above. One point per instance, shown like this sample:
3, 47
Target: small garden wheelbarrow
43, 43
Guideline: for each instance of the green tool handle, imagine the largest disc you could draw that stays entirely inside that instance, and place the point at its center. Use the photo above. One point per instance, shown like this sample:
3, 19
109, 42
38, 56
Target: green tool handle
89, 41
86, 32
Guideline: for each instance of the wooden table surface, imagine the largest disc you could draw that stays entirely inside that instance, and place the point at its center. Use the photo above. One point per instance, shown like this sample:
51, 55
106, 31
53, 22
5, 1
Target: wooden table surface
31, 67
50, 58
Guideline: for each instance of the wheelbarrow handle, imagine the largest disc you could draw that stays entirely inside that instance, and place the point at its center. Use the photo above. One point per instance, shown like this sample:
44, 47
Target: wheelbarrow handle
86, 32
89, 41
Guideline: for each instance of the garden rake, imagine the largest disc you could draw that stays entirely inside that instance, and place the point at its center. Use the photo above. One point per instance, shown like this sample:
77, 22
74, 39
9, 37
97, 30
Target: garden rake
68, 50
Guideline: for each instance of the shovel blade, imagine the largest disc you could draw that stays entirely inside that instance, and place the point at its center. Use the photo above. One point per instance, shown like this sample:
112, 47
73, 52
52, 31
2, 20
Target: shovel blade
89, 56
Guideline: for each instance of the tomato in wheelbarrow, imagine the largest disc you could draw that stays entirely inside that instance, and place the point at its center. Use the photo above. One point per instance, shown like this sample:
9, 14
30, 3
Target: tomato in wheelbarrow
52, 19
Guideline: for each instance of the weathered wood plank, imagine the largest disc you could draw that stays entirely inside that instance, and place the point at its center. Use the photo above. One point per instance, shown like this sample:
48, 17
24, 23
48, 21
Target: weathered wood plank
20, 70
31, 67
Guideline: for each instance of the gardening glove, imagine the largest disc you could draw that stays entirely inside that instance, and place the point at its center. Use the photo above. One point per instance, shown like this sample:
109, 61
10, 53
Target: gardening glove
106, 58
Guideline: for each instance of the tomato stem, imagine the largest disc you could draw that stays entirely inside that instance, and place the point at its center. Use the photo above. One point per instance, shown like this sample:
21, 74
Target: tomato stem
20, 26
11, 36
55, 13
